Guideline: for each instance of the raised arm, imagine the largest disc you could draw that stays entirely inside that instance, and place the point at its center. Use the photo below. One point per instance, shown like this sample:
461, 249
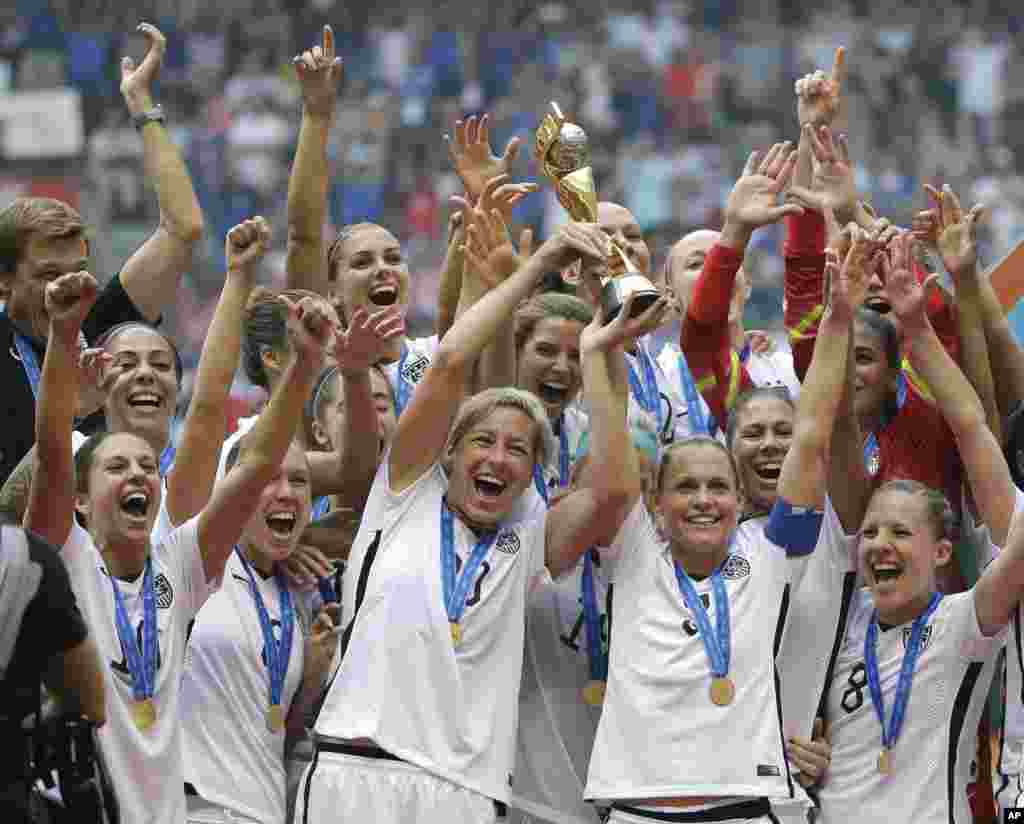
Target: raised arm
190, 482
451, 275
804, 475
423, 428
349, 470
319, 72
150, 277
704, 338
235, 498
958, 245
957, 401
51, 502
593, 515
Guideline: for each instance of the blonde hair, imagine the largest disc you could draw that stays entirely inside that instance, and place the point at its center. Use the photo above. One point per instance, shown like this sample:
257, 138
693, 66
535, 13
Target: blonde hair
480, 406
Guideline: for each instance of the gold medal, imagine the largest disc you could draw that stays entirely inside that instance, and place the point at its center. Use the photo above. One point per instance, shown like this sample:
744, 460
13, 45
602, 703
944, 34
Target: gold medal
723, 691
593, 693
885, 762
144, 713
275, 718
456, 630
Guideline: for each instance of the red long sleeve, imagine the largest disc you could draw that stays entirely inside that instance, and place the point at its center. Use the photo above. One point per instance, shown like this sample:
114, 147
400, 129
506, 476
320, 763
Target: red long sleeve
804, 252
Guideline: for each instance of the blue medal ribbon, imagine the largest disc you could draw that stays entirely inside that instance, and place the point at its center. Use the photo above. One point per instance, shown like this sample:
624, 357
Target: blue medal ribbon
539, 481
698, 424
28, 357
141, 663
717, 643
872, 450
321, 506
891, 733
456, 590
597, 658
167, 459
277, 652
646, 390
403, 388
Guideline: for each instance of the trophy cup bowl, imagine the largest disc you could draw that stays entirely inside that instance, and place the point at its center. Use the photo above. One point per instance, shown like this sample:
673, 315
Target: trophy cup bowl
563, 150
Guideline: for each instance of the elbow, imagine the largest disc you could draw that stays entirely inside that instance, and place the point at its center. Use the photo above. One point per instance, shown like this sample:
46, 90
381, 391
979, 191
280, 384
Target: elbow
450, 359
189, 229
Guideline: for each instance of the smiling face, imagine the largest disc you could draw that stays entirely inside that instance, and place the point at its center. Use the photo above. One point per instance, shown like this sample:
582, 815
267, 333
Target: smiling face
619, 224
123, 493
142, 384
899, 553
874, 382
491, 466
44, 260
699, 504
549, 363
761, 438
282, 513
368, 270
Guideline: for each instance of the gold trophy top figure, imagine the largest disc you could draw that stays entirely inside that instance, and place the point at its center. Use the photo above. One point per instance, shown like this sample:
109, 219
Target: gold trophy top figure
564, 154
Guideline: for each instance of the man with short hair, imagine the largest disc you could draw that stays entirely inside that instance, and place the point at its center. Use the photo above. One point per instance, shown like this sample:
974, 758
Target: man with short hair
42, 239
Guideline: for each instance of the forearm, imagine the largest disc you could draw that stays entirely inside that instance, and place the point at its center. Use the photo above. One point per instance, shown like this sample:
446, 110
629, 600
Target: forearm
605, 384
190, 483
450, 292
305, 266
79, 680
974, 354
804, 284
1006, 359
274, 430
357, 460
302, 707
849, 485
954, 396
180, 213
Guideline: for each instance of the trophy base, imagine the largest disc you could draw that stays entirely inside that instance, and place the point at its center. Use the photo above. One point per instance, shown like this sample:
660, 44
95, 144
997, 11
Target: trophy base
617, 291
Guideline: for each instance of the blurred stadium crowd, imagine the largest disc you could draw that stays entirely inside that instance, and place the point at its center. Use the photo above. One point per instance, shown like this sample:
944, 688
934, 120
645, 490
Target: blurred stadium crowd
672, 92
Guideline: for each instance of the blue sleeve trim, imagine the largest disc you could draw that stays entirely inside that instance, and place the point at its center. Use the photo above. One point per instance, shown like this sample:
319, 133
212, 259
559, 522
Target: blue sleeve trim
794, 528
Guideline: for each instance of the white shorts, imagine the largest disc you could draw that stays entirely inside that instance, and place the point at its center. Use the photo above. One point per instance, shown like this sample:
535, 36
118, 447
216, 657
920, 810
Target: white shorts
350, 789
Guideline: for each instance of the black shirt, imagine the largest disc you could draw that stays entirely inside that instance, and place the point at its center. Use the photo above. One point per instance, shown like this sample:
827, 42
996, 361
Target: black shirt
18, 404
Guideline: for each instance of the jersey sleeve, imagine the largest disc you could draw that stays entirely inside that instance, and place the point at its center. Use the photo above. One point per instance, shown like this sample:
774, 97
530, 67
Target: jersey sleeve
181, 552
968, 638
716, 368
635, 537
804, 253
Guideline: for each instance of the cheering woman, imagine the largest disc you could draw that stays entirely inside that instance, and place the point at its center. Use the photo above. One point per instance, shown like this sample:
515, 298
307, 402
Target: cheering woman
139, 597
419, 723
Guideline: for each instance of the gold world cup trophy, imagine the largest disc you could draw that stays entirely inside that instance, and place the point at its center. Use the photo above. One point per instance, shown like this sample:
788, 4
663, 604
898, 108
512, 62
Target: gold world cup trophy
564, 155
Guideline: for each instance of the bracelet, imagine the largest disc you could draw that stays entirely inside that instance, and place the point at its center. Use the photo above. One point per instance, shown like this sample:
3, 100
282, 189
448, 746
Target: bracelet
154, 115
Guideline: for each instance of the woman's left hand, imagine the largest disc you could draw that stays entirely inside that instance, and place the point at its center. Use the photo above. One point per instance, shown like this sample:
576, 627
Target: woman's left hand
812, 758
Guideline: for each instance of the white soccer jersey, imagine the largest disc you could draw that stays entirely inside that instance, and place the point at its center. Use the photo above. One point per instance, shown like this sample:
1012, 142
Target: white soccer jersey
660, 736
814, 620
402, 683
932, 757
231, 757
145, 766
420, 355
556, 726
244, 425
774, 368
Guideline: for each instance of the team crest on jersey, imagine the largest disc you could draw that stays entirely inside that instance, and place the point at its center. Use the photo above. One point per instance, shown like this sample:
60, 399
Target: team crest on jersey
164, 591
415, 368
735, 567
926, 636
508, 542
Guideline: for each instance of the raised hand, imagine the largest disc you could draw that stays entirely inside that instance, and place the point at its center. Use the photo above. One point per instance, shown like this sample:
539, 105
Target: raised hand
488, 248
832, 179
905, 294
957, 239
623, 329
246, 244
366, 339
137, 83
68, 300
504, 197
92, 365
574, 242
319, 71
309, 330
847, 277
820, 97
754, 200
472, 157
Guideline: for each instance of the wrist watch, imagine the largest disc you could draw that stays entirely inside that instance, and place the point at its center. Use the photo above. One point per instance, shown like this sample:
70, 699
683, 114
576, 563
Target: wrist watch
154, 115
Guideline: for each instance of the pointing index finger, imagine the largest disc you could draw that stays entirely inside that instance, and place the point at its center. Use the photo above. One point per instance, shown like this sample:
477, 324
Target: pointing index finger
328, 41
839, 69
